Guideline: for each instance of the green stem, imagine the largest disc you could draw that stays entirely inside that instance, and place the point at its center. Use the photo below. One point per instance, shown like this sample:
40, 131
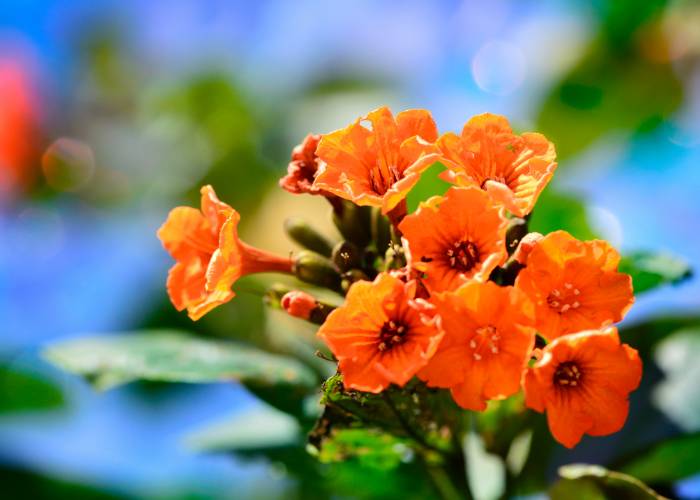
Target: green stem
443, 483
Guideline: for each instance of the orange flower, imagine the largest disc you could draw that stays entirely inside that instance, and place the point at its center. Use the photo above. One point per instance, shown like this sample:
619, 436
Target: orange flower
489, 336
377, 166
455, 238
574, 284
582, 381
301, 171
210, 257
514, 169
382, 335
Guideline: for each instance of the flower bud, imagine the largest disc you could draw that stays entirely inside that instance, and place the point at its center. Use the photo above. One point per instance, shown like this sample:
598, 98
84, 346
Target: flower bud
351, 277
304, 306
353, 222
313, 268
306, 236
298, 304
346, 256
527, 243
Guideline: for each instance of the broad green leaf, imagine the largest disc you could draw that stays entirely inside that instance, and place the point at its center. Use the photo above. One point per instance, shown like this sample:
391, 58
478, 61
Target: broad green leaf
593, 482
667, 461
170, 356
371, 447
678, 396
650, 270
25, 392
260, 428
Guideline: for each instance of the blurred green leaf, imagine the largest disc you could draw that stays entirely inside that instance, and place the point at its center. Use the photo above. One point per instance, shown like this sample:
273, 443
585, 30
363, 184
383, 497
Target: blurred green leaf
429, 185
666, 462
371, 447
174, 357
678, 396
24, 392
20, 483
556, 211
650, 270
592, 482
259, 428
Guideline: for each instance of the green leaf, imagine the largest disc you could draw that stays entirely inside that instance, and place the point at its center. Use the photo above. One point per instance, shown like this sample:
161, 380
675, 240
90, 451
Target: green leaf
650, 270
371, 447
556, 211
261, 428
171, 356
677, 396
592, 482
24, 392
667, 462
430, 184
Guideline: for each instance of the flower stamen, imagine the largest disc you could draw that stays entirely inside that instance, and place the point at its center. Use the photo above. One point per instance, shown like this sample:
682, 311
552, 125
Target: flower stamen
568, 374
564, 300
463, 256
392, 333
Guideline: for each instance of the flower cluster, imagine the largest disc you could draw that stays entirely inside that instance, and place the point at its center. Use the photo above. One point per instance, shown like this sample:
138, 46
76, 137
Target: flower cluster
457, 293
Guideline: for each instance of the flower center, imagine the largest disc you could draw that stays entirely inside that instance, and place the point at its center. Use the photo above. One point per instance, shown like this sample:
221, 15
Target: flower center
485, 341
382, 178
568, 374
495, 178
564, 299
463, 255
392, 333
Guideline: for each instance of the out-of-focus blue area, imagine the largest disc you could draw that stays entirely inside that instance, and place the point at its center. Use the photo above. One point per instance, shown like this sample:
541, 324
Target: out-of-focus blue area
69, 267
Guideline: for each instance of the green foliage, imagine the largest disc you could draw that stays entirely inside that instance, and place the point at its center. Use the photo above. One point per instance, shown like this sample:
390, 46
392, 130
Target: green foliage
592, 482
430, 184
556, 211
27, 392
258, 429
614, 87
650, 270
677, 396
371, 447
174, 357
667, 461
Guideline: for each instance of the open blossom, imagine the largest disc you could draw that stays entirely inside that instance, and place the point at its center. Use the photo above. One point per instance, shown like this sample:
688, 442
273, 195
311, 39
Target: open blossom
377, 166
489, 336
574, 284
210, 257
513, 169
302, 169
382, 334
455, 238
583, 381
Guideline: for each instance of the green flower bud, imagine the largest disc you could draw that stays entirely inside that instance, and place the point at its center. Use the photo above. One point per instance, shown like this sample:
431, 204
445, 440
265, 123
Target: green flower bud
313, 268
306, 236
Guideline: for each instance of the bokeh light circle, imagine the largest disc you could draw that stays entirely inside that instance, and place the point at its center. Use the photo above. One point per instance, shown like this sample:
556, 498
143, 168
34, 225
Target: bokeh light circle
499, 68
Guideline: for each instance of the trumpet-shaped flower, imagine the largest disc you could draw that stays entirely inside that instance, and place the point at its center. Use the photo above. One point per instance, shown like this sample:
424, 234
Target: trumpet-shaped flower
513, 169
574, 285
455, 238
377, 166
210, 256
582, 381
489, 336
382, 334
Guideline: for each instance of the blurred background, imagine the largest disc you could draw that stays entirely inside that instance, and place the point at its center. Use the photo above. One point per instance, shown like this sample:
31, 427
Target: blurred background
113, 112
